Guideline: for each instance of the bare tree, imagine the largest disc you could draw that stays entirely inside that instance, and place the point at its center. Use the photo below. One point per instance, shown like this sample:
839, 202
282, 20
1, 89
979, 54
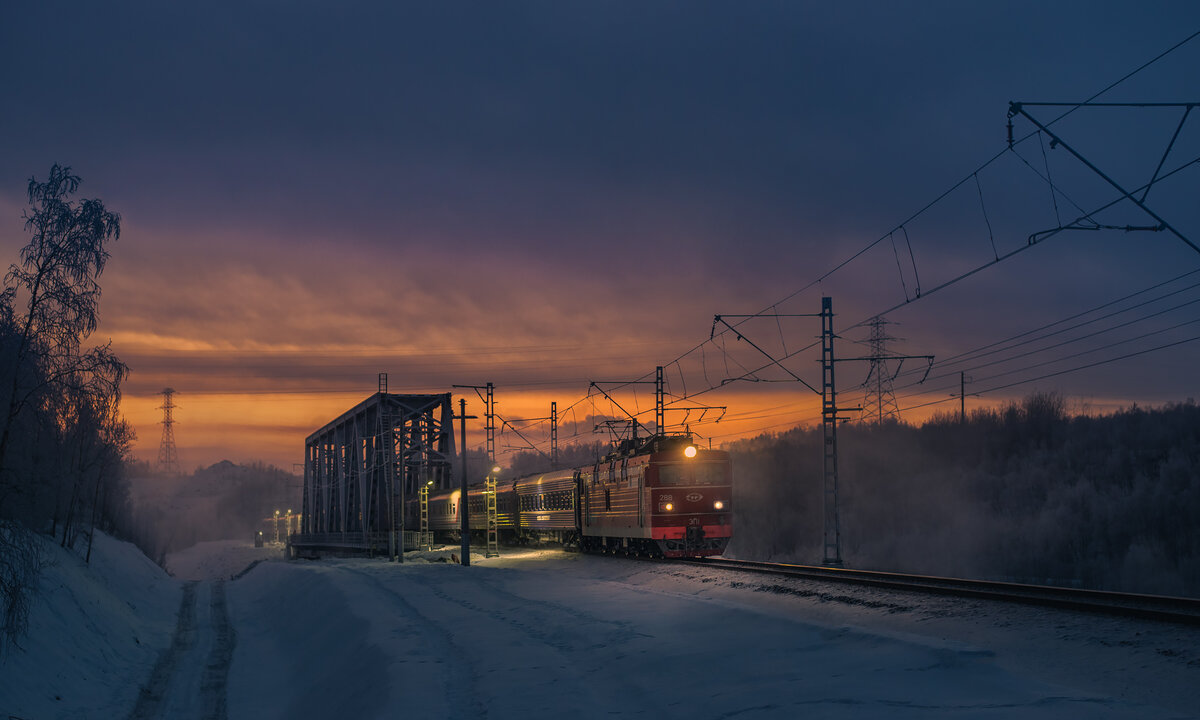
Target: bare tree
57, 279
21, 563
58, 399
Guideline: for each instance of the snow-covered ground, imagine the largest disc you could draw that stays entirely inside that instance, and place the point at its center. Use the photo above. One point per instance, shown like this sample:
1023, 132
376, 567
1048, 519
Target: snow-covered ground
93, 635
219, 560
542, 633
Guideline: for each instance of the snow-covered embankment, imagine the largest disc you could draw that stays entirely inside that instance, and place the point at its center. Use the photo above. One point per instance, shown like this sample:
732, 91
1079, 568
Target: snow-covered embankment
94, 633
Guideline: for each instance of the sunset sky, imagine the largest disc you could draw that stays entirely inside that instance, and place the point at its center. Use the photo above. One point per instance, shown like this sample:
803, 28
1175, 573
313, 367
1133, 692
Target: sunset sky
542, 194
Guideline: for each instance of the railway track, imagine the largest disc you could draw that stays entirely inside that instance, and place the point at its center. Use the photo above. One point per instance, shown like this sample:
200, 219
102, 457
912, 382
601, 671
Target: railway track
1153, 607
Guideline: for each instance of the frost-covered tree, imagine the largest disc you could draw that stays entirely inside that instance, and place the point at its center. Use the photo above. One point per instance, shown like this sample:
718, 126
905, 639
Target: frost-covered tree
59, 429
56, 284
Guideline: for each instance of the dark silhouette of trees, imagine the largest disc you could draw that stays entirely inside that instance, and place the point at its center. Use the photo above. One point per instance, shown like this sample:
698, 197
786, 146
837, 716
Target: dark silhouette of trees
1023, 492
62, 441
58, 279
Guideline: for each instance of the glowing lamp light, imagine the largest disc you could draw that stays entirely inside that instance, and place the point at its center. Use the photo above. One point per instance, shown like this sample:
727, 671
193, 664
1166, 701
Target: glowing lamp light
689, 451
668, 507
496, 469
718, 505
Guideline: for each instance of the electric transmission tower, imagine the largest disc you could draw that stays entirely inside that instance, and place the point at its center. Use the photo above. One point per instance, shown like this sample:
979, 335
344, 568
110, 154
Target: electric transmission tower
879, 402
168, 457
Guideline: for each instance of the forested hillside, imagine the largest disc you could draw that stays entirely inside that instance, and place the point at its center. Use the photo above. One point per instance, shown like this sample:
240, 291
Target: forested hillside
1025, 492
224, 501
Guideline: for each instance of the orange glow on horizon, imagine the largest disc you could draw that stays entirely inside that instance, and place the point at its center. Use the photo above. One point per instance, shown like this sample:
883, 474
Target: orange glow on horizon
272, 427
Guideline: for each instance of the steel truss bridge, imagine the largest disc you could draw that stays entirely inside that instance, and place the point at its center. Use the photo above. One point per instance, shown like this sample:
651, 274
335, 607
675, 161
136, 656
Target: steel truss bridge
360, 469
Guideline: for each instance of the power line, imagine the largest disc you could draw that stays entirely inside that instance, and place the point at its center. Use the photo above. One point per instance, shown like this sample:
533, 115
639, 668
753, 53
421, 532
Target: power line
1064, 372
974, 356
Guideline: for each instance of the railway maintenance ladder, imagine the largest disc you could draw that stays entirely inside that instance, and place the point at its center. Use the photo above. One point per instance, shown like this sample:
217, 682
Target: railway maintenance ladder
426, 540
493, 535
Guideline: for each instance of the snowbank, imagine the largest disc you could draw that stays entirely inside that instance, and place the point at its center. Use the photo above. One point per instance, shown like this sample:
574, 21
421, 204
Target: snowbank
94, 634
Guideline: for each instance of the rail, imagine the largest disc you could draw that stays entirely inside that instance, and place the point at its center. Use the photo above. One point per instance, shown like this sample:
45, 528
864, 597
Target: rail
374, 542
1152, 607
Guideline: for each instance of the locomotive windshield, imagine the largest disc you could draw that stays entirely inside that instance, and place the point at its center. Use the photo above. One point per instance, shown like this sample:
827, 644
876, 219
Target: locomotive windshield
690, 474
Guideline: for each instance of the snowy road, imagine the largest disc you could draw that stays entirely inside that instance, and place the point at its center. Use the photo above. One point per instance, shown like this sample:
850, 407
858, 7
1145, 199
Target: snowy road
538, 634
189, 679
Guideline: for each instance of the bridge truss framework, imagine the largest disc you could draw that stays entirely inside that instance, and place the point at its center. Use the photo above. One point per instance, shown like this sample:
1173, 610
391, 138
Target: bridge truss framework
360, 468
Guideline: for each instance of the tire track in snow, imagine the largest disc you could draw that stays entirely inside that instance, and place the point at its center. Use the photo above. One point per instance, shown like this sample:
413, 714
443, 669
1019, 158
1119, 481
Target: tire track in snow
580, 651
187, 682
551, 623
462, 700
151, 696
214, 684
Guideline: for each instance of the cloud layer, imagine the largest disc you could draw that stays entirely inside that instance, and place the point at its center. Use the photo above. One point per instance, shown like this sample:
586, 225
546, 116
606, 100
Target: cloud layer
540, 195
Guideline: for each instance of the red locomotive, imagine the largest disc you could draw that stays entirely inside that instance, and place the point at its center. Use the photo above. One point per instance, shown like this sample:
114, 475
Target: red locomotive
662, 496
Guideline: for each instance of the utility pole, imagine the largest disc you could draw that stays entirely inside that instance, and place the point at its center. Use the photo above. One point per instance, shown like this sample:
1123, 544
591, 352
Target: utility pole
829, 420
553, 435
829, 411
658, 401
491, 423
829, 417
489, 414
464, 511
962, 398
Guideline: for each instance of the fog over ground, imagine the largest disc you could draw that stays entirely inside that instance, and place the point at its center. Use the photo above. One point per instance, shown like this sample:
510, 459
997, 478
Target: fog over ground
1027, 493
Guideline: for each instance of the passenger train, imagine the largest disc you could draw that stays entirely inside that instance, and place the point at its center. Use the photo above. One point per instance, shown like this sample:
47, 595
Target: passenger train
660, 496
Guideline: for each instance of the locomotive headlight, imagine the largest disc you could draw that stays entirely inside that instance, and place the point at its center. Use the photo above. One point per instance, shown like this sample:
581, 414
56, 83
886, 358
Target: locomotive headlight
689, 451
668, 507
718, 505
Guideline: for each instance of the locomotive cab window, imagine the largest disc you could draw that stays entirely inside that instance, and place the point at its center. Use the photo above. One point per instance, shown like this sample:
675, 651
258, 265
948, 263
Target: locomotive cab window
692, 475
